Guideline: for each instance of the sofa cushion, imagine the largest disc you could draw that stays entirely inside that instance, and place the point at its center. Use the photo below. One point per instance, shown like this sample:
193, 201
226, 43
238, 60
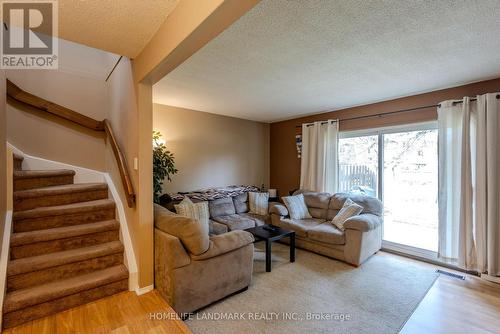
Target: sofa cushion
193, 235
350, 209
221, 207
241, 203
370, 204
317, 203
296, 206
326, 233
198, 211
259, 219
300, 226
258, 203
216, 228
235, 222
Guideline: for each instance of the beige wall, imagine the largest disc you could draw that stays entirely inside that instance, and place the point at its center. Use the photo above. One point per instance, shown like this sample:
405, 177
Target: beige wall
48, 137
212, 150
123, 115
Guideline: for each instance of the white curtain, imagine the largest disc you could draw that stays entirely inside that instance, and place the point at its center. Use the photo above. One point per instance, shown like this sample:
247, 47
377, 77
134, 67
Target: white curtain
450, 155
469, 184
487, 210
319, 164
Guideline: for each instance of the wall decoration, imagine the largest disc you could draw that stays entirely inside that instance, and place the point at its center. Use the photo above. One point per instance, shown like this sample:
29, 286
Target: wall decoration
298, 144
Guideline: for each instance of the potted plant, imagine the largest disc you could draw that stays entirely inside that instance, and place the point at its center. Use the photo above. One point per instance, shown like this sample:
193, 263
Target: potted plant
163, 165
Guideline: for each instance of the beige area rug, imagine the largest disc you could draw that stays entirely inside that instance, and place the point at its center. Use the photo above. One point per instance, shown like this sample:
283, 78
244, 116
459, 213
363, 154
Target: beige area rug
319, 295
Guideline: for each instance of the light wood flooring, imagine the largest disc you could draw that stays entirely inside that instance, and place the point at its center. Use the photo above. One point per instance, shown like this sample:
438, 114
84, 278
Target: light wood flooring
451, 306
456, 306
123, 313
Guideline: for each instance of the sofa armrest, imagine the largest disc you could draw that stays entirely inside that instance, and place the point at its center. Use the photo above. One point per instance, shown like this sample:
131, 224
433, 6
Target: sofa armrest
169, 251
278, 209
225, 243
363, 222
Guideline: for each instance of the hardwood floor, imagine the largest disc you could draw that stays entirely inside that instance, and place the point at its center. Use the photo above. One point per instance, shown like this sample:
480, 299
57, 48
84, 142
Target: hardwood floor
456, 306
451, 306
124, 313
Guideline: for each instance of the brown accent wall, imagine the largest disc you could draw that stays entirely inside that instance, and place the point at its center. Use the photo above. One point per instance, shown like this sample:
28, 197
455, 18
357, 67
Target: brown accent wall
285, 165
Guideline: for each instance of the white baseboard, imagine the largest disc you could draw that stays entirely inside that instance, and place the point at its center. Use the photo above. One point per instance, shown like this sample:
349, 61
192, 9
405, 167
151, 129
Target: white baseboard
130, 259
146, 289
4, 257
83, 175
494, 279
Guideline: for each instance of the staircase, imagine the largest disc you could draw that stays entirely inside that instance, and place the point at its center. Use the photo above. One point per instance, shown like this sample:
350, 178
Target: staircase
64, 250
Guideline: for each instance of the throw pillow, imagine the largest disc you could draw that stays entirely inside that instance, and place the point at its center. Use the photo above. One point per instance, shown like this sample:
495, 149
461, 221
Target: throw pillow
297, 208
198, 211
259, 203
349, 209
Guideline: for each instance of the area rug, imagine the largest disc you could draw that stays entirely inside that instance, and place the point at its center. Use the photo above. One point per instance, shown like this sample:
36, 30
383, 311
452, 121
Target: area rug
319, 295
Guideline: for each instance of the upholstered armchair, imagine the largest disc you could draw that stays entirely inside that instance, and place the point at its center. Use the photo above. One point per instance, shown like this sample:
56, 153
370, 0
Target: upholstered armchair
193, 270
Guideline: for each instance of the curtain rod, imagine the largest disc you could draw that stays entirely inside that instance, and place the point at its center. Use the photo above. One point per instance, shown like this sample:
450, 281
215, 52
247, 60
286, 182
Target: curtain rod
374, 115
473, 99
389, 113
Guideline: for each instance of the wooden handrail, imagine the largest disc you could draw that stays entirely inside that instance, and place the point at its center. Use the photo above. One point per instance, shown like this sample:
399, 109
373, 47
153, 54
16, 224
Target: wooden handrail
20, 95
39, 103
122, 164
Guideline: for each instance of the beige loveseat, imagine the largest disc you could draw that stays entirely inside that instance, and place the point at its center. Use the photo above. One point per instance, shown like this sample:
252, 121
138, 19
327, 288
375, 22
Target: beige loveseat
193, 270
362, 236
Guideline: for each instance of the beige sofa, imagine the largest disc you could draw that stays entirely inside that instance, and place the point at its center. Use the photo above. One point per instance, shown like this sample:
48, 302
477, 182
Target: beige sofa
193, 270
362, 236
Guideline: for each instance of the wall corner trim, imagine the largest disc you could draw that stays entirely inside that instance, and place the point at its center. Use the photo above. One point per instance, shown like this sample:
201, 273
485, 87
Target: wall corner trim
146, 289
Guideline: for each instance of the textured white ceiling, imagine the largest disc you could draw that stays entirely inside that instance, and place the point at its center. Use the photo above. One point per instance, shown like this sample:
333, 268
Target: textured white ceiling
287, 58
119, 26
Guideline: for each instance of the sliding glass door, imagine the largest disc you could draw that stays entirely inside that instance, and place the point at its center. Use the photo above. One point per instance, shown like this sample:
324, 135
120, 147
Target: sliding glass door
398, 165
410, 184
358, 165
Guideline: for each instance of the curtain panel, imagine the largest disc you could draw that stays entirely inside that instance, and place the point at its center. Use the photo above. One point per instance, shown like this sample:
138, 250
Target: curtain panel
319, 163
469, 183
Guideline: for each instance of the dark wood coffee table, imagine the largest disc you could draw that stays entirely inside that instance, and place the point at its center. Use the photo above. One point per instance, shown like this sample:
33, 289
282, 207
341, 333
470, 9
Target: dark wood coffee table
270, 233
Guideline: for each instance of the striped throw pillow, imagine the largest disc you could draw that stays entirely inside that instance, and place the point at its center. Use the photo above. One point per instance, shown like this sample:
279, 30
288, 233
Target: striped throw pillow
297, 208
349, 209
198, 211
258, 203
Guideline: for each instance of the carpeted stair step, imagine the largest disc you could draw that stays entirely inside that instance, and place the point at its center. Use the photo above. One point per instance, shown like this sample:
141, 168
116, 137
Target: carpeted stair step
18, 161
32, 179
63, 215
59, 195
33, 243
28, 304
31, 271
